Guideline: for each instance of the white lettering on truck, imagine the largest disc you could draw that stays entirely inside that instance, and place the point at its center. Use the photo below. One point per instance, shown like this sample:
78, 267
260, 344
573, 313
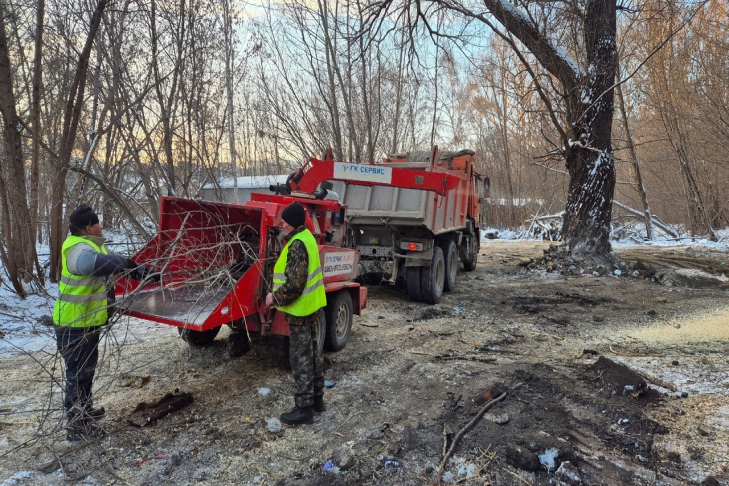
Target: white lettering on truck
362, 172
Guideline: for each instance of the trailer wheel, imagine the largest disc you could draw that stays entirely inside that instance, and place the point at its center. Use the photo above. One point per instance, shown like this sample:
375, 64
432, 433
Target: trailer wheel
433, 278
320, 330
198, 338
415, 290
238, 344
339, 314
450, 253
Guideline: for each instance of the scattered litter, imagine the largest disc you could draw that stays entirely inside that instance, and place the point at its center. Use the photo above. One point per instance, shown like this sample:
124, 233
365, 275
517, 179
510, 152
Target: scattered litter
547, 458
274, 425
448, 477
623, 421
459, 309
617, 272
391, 464
329, 466
264, 391
496, 417
568, 473
329, 384
640, 458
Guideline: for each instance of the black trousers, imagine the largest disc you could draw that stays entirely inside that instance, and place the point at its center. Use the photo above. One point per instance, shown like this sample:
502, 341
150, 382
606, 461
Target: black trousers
79, 348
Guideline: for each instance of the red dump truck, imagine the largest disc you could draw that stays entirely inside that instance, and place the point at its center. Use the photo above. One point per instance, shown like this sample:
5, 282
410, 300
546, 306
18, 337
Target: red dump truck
413, 234
216, 259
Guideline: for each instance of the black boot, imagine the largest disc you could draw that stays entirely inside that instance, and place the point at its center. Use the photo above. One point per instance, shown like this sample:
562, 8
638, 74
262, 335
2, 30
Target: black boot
95, 413
298, 416
83, 428
318, 405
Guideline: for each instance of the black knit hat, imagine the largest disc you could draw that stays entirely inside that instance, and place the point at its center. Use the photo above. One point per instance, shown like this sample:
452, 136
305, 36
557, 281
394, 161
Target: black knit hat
82, 217
294, 214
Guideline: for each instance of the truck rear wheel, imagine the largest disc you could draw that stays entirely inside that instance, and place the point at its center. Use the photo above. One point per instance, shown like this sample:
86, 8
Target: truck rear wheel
433, 278
339, 314
198, 338
450, 253
470, 253
415, 290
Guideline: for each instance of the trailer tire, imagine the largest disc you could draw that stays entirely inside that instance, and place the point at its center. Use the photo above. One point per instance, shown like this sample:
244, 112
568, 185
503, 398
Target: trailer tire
450, 253
322, 328
238, 344
415, 290
433, 278
321, 331
339, 313
198, 338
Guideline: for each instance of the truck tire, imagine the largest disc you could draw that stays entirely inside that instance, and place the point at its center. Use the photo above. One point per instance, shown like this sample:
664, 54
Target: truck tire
470, 254
415, 290
450, 253
433, 277
339, 312
198, 338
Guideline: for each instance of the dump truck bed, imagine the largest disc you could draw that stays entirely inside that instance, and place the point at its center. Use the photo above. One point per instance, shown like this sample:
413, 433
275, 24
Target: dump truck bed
402, 207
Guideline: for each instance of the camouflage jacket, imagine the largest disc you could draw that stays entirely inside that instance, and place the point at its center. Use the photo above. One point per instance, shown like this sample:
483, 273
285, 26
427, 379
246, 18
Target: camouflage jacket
297, 270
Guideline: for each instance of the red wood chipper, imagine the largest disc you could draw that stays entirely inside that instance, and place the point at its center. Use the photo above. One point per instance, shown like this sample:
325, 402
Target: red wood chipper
216, 259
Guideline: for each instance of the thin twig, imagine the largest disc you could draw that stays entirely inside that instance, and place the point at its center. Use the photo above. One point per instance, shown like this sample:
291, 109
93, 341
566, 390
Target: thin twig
470, 424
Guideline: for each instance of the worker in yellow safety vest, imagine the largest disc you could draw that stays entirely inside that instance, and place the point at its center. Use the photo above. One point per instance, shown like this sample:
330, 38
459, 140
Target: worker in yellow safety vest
298, 290
84, 306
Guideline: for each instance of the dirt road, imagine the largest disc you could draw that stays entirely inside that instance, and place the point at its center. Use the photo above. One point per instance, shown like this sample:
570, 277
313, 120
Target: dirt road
522, 375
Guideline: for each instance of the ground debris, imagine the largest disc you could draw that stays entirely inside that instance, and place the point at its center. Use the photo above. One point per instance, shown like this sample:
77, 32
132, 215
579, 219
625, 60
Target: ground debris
618, 379
147, 413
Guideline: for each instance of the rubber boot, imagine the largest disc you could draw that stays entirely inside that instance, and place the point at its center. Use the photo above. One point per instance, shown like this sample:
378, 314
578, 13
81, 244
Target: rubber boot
318, 405
298, 416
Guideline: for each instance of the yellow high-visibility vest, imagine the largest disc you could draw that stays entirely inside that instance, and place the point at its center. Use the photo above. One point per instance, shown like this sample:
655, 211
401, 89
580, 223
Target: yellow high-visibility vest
314, 296
81, 299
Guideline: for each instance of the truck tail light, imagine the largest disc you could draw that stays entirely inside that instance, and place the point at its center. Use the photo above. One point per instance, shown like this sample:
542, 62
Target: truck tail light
411, 246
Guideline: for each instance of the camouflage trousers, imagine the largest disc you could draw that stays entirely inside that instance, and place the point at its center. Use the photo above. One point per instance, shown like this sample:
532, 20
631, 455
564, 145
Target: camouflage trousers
306, 363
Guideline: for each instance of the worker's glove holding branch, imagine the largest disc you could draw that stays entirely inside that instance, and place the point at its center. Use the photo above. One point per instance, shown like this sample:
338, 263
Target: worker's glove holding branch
142, 272
269, 300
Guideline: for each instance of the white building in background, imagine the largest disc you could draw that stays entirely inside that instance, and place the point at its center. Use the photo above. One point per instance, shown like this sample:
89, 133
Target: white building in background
223, 192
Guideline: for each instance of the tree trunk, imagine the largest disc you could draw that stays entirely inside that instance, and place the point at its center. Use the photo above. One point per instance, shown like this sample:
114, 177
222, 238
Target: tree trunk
35, 121
647, 219
18, 239
70, 127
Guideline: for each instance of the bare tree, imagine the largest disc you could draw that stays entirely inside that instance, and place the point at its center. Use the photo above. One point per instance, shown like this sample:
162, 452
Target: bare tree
71, 118
17, 247
581, 110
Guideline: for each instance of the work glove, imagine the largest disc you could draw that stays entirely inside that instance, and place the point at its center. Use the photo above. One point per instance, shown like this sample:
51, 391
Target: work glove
269, 300
143, 272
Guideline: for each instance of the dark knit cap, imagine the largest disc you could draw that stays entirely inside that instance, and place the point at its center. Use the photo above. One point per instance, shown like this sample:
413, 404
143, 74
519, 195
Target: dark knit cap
294, 214
82, 217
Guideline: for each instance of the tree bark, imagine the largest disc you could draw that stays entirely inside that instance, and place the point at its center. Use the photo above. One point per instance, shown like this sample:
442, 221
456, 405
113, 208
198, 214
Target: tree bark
18, 239
589, 106
71, 117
